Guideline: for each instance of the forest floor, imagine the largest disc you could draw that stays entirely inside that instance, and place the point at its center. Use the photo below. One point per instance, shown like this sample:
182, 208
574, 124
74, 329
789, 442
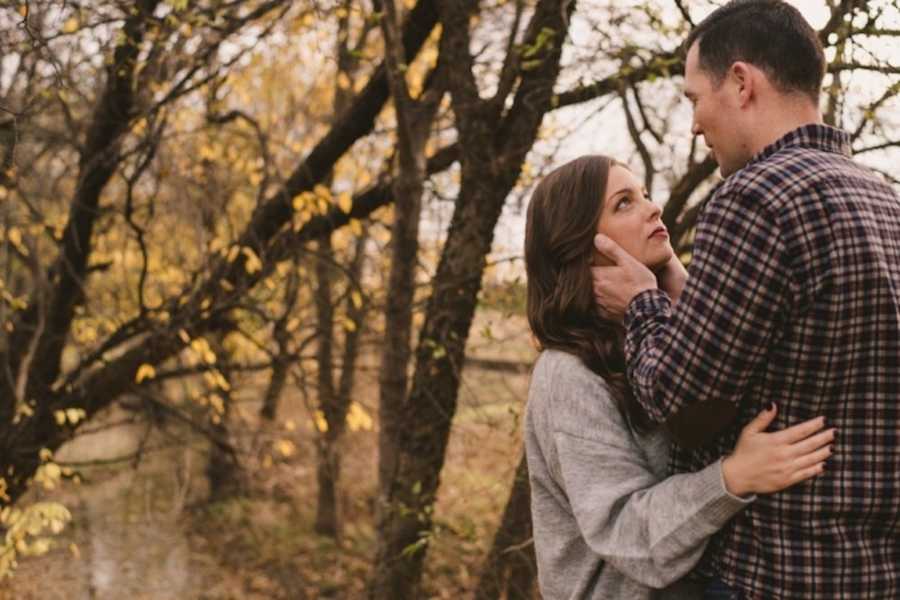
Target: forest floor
149, 531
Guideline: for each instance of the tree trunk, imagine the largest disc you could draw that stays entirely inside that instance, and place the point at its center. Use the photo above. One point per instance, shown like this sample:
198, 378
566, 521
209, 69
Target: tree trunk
224, 471
414, 118
493, 150
280, 370
510, 569
328, 516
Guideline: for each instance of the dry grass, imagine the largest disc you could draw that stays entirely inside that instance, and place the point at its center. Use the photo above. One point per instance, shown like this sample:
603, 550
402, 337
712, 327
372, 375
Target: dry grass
161, 539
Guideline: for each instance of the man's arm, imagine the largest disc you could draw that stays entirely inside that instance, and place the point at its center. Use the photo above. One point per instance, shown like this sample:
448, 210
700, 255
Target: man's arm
689, 366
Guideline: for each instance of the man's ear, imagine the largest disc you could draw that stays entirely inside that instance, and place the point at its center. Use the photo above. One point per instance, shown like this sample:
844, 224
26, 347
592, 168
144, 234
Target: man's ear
742, 78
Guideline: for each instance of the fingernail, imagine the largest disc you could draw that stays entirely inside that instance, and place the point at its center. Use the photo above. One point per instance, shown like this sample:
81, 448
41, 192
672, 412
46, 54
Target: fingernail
770, 406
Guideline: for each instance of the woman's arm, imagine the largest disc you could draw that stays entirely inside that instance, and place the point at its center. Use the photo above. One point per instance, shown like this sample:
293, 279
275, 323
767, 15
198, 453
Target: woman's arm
655, 531
651, 531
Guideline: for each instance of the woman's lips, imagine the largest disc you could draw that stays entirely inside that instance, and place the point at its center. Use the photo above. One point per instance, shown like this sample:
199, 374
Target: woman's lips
660, 232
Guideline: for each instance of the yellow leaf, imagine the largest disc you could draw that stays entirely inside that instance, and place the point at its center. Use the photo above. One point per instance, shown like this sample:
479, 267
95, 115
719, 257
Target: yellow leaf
349, 325
45, 454
356, 227
356, 297
199, 345
358, 419
321, 423
70, 26
252, 264
53, 470
14, 235
286, 447
290, 425
343, 81
217, 403
60, 417
322, 192
73, 548
345, 202
184, 336
75, 414
145, 371
218, 380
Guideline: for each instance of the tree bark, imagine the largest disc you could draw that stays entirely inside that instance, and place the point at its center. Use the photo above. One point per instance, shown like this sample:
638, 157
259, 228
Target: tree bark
414, 118
328, 466
493, 149
224, 470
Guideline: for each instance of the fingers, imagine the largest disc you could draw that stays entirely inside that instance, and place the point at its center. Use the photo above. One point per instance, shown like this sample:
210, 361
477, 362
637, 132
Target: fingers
808, 472
813, 442
610, 249
813, 458
762, 421
800, 431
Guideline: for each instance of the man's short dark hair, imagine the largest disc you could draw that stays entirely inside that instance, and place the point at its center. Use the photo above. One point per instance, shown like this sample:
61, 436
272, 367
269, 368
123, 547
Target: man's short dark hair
769, 34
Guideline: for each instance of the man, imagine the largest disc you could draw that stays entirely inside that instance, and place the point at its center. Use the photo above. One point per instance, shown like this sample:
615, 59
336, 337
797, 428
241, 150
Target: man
793, 297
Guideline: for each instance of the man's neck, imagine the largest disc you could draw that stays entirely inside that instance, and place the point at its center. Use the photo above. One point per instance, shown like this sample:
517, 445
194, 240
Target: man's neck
781, 122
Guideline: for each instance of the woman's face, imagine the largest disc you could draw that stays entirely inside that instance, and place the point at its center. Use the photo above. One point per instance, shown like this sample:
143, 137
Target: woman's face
631, 220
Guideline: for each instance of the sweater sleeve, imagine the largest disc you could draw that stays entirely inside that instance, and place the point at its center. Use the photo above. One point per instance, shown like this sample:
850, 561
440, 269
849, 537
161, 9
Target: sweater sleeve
652, 531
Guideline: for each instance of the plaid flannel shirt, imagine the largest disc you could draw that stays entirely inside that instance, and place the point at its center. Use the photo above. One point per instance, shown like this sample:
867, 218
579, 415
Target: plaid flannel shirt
793, 297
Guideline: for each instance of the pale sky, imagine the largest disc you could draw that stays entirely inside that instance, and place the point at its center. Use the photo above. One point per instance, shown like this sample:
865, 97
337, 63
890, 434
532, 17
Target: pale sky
592, 125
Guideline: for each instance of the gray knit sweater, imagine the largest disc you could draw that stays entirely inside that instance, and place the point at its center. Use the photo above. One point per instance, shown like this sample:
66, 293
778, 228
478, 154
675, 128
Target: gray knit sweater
608, 523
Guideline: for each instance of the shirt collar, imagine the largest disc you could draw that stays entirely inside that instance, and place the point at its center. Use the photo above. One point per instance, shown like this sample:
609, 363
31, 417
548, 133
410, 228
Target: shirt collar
815, 136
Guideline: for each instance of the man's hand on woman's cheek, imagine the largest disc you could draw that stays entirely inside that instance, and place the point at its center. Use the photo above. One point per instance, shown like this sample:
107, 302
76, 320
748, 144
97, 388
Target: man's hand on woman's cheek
616, 285
672, 278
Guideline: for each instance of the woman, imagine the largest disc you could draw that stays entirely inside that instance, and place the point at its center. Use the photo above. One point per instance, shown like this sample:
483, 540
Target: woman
608, 523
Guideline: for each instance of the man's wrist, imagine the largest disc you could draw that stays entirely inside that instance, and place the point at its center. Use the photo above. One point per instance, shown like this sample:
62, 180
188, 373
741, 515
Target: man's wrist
648, 302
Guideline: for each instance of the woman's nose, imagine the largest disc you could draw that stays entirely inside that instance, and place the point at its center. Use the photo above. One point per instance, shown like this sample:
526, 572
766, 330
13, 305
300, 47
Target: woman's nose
654, 210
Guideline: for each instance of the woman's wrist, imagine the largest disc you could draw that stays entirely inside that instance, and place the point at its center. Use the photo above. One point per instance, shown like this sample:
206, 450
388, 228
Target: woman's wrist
734, 480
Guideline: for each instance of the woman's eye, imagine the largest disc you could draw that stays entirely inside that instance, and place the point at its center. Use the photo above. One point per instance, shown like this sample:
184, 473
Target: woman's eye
623, 203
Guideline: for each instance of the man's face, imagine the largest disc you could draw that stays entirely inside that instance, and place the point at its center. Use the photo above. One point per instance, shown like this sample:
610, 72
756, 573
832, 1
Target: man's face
716, 114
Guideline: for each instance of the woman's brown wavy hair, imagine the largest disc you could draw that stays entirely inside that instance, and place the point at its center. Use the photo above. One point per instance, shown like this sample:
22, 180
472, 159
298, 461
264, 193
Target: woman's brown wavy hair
559, 249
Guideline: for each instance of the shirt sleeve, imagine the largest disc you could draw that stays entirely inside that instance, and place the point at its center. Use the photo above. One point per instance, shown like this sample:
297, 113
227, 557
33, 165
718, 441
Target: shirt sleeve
690, 365
651, 531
